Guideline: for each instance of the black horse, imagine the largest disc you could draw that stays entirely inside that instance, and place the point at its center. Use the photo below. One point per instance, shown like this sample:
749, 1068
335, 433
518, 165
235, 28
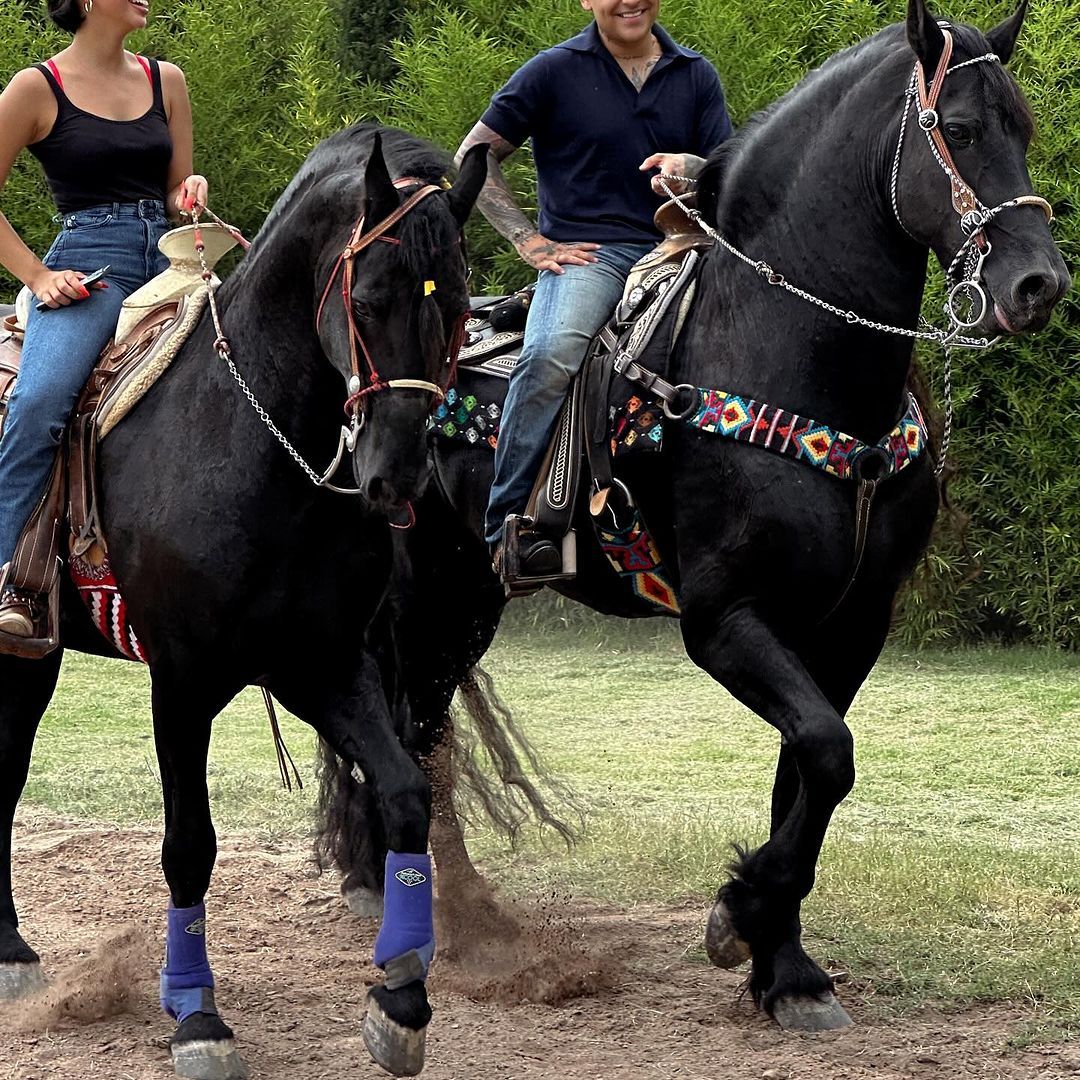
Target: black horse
846, 201
238, 569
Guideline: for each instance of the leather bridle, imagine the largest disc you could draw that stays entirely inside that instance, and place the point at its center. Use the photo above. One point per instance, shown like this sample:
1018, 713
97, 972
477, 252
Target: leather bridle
346, 266
973, 213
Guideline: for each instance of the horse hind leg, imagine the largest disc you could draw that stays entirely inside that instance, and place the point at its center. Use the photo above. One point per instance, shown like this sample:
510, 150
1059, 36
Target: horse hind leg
202, 1046
350, 836
758, 909
28, 686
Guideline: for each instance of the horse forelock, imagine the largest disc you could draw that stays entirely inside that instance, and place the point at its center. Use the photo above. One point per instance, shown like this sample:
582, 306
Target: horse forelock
996, 84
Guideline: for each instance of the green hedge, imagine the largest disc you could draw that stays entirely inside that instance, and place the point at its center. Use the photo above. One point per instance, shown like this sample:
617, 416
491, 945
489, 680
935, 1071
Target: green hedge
267, 83
265, 86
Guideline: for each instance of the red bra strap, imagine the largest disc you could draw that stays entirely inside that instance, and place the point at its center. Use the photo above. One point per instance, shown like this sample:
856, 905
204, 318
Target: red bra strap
55, 73
146, 67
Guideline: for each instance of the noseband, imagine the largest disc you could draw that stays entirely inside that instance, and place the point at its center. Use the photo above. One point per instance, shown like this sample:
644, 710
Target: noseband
974, 214
346, 265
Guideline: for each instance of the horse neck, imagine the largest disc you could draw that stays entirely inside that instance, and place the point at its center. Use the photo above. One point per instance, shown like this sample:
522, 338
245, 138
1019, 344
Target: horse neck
808, 192
268, 308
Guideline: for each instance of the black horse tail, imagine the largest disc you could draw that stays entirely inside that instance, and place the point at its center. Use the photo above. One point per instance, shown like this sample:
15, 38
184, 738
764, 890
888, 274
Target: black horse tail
486, 769
481, 760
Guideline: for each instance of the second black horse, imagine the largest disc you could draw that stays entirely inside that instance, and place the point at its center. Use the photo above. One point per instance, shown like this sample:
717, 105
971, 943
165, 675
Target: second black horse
911, 142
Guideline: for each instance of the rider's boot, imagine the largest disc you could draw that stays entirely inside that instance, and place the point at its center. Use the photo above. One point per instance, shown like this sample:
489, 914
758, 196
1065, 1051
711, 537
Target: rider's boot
539, 555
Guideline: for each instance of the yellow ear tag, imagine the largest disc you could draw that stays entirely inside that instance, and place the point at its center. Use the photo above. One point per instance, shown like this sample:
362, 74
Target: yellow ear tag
429, 287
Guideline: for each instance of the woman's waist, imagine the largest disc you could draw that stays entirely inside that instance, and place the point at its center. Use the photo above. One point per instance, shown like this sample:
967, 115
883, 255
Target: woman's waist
104, 213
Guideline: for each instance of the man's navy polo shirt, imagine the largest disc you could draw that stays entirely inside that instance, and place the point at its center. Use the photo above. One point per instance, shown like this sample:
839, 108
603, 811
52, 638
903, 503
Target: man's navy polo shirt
591, 129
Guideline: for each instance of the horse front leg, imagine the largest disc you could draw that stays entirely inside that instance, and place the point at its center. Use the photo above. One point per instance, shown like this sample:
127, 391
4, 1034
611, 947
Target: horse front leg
356, 722
26, 686
758, 909
202, 1045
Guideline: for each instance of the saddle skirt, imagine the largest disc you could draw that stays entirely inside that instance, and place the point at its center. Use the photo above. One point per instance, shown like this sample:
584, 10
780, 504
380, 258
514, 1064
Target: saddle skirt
154, 323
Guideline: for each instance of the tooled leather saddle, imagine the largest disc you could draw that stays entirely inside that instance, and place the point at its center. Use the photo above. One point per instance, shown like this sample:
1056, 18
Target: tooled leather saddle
154, 323
602, 410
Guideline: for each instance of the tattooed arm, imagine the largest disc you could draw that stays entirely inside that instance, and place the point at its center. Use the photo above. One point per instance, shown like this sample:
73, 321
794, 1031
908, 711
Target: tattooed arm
498, 205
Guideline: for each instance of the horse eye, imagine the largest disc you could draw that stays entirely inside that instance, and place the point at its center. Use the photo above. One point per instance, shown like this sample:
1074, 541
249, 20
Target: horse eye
362, 310
959, 134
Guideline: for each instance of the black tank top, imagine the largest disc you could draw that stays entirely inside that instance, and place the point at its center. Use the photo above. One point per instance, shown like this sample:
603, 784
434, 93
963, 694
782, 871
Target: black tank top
90, 160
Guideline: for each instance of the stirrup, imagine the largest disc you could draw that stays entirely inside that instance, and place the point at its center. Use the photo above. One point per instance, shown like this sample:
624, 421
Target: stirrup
46, 634
510, 570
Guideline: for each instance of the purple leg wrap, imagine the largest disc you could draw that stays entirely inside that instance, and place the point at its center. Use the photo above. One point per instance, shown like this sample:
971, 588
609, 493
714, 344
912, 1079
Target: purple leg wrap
406, 941
187, 983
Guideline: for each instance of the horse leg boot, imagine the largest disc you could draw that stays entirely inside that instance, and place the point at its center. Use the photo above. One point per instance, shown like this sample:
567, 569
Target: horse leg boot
760, 905
356, 722
27, 687
202, 1045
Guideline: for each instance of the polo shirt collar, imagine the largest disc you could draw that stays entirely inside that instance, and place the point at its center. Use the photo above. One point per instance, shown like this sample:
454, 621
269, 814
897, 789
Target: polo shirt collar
589, 41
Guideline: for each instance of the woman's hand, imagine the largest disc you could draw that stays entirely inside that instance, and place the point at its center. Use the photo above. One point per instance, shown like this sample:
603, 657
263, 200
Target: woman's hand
58, 288
192, 193
544, 254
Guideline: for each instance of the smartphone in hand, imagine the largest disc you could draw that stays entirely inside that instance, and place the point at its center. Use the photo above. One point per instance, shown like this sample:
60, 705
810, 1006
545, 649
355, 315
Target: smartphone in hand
90, 279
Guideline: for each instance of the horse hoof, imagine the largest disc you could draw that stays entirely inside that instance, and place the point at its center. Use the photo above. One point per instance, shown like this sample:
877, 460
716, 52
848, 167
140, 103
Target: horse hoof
398, 1049
20, 980
365, 903
811, 1014
724, 947
208, 1059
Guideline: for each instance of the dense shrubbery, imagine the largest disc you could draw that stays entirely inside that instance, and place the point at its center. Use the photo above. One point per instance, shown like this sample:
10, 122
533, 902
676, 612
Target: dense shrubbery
266, 85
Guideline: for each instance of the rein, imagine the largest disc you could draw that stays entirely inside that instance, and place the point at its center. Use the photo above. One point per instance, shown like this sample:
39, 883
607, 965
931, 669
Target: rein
358, 241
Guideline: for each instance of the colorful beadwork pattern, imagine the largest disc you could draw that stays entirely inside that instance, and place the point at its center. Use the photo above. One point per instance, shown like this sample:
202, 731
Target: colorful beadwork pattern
101, 595
462, 418
635, 558
637, 425
759, 424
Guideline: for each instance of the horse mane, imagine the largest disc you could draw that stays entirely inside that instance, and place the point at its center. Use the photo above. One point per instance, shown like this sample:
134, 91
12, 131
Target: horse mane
839, 73
338, 164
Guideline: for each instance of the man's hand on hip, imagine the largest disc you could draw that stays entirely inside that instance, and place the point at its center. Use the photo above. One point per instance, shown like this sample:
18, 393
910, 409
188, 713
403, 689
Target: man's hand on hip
544, 254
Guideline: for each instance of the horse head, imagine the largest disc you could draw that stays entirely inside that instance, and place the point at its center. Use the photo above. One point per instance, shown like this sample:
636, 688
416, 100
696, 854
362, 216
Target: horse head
960, 183
393, 313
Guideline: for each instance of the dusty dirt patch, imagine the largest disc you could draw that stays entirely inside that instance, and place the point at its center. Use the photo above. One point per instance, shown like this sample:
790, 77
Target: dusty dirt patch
292, 968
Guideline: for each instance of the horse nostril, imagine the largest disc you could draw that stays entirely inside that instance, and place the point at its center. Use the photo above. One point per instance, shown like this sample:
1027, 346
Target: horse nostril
1035, 287
375, 489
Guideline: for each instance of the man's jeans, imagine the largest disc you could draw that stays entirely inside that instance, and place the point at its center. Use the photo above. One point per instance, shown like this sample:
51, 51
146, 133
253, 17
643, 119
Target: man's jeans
566, 312
62, 345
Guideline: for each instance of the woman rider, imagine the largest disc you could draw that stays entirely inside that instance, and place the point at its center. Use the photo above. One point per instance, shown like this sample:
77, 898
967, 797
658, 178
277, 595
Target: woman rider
112, 131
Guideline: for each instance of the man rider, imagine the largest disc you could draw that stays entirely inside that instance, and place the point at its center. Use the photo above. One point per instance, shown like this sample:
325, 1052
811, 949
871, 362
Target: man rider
599, 108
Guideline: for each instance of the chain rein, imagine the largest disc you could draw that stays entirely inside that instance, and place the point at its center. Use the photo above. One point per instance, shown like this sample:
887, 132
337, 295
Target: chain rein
224, 351
348, 436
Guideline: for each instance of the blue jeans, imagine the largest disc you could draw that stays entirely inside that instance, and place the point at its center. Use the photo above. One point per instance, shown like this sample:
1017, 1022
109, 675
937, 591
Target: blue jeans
62, 345
566, 312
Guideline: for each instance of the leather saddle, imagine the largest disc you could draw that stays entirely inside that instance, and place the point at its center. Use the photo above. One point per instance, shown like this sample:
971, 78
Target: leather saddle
154, 322
656, 299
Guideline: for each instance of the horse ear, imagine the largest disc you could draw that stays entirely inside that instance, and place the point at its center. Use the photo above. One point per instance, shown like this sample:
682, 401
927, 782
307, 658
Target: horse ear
924, 36
470, 180
380, 195
1003, 37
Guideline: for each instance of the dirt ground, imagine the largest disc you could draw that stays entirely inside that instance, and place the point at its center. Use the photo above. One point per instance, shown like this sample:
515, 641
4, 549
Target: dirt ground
293, 967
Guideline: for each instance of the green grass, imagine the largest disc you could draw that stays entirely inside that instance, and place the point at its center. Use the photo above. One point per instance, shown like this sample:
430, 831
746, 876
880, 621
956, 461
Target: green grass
950, 874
